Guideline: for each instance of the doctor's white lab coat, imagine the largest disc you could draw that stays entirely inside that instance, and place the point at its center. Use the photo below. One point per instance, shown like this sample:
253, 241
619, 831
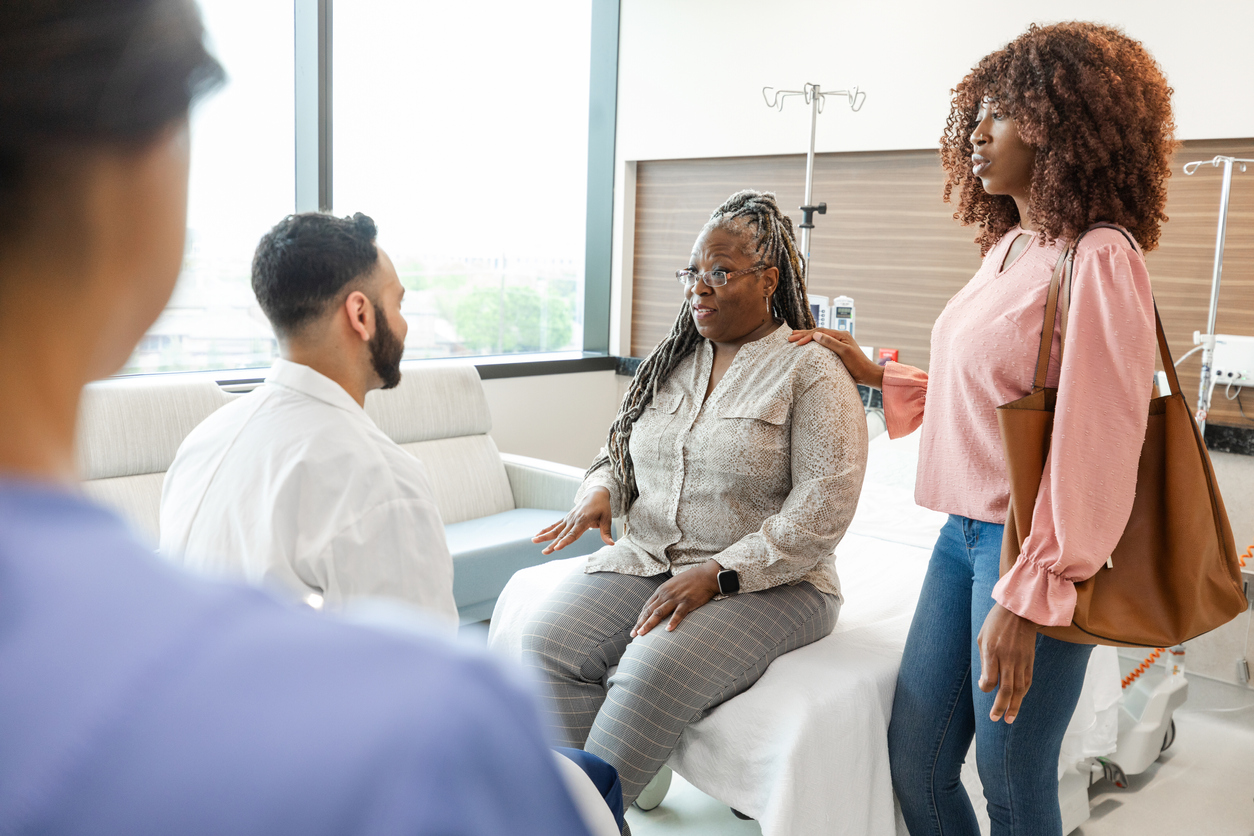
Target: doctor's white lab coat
293, 487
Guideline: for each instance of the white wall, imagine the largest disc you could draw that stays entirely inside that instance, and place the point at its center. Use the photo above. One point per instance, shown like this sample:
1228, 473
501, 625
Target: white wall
558, 417
691, 74
691, 71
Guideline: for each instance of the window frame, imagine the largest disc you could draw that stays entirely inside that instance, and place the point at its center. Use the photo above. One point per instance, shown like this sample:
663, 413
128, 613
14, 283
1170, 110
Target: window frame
315, 175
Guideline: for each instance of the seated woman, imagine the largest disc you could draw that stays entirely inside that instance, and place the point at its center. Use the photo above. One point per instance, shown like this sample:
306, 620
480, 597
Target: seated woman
737, 464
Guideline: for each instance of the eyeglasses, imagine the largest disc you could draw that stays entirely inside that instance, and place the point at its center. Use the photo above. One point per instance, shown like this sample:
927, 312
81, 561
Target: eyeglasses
714, 278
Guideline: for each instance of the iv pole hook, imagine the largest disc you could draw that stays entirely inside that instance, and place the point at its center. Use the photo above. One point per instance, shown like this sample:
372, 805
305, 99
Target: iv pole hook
815, 97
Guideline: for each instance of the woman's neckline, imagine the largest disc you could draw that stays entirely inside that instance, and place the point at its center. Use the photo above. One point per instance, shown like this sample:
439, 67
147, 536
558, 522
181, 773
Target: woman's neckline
778, 324
1013, 234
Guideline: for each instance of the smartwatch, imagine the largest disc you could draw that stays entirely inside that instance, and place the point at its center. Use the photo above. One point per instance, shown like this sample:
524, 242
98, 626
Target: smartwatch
728, 582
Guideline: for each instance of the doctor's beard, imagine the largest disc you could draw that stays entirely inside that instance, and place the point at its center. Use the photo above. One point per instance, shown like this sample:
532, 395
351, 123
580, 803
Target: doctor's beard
386, 350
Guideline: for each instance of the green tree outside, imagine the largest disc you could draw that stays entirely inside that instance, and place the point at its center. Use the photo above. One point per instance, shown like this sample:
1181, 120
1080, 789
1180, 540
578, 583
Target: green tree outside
526, 326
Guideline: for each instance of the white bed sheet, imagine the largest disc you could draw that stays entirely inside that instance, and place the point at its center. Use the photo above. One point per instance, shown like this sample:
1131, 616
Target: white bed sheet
805, 749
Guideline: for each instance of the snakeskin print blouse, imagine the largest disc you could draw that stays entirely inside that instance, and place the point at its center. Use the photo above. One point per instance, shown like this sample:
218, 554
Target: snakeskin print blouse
763, 476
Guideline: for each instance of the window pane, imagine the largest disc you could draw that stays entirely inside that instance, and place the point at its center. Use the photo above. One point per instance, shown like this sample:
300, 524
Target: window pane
462, 129
242, 183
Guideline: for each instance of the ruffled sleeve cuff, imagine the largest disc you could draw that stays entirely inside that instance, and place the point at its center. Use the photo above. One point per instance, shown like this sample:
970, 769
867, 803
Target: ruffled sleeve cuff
905, 392
1037, 594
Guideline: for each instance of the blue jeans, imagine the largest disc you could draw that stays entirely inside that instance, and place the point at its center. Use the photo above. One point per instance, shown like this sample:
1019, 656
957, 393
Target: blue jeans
938, 706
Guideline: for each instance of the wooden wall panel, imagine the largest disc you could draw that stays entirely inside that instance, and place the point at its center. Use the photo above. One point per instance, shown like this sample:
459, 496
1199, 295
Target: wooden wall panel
890, 242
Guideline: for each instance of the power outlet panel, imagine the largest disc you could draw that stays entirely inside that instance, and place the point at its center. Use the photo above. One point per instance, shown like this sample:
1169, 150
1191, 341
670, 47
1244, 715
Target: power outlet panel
1234, 361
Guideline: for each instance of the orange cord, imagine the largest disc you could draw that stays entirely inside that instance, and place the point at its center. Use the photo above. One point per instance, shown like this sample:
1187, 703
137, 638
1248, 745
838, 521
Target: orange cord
1149, 660
1143, 667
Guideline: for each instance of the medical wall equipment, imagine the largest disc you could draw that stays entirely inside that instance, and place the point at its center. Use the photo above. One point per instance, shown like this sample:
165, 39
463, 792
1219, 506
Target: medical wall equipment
1232, 365
1234, 360
820, 307
815, 98
837, 314
1207, 340
842, 315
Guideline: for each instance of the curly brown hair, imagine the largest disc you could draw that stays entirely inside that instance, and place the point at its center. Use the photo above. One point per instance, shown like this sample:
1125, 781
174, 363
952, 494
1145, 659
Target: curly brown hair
1096, 107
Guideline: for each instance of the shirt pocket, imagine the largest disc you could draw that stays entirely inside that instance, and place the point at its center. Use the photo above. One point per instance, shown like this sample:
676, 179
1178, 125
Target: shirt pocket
656, 428
754, 438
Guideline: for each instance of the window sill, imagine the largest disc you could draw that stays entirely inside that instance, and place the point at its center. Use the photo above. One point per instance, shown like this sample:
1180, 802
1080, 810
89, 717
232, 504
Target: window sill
490, 367
529, 365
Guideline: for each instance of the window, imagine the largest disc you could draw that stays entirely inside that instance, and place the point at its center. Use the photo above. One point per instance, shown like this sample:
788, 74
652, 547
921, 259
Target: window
462, 129
242, 183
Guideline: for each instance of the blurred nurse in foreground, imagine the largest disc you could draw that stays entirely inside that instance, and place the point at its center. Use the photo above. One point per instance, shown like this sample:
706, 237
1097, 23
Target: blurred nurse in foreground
133, 698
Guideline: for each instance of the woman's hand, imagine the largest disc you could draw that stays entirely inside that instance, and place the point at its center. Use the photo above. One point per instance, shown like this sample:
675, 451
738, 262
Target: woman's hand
679, 596
1007, 651
593, 511
861, 368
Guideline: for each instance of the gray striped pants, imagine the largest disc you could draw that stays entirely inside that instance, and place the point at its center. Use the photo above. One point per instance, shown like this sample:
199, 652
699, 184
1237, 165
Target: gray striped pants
664, 681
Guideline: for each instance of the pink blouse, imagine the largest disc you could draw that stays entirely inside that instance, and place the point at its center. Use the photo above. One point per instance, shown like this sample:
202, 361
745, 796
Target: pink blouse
984, 348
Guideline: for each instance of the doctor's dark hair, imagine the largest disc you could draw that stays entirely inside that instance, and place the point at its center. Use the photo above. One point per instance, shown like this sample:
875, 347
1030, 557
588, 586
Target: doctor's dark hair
90, 73
306, 262
1097, 109
766, 233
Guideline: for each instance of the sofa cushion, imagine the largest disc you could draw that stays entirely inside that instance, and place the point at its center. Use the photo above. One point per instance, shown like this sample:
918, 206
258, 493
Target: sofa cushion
137, 499
488, 551
467, 476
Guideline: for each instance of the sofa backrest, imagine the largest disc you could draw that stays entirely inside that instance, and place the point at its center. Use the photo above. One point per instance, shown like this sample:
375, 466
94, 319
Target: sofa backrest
439, 414
130, 429
128, 432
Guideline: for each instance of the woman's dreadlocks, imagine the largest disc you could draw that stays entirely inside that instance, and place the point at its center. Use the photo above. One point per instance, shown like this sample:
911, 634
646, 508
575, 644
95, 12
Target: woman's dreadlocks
767, 232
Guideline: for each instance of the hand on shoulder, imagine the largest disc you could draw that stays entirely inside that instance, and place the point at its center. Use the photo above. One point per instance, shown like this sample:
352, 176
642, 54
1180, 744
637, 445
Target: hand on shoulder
861, 368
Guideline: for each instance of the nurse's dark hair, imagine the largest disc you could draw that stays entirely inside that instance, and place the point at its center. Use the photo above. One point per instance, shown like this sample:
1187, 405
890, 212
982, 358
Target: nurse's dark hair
1097, 109
307, 262
768, 236
76, 74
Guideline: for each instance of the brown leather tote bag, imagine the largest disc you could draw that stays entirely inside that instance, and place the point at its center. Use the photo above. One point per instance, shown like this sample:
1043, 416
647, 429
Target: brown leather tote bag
1174, 574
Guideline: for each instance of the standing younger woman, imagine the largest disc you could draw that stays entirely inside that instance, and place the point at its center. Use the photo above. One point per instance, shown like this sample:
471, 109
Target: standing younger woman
1066, 126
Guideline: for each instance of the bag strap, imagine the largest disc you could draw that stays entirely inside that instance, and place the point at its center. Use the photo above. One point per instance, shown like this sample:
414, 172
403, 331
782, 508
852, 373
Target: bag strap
1164, 351
1060, 293
1051, 315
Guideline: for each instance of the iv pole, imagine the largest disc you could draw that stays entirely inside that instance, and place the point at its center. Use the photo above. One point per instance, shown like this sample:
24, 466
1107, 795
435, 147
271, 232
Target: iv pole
1207, 339
815, 98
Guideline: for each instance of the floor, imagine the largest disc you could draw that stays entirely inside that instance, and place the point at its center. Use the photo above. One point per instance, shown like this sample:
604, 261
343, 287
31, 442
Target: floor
1203, 784
689, 812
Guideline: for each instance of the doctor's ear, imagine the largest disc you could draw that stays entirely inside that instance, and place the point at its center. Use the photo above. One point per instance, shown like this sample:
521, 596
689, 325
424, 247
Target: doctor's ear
360, 314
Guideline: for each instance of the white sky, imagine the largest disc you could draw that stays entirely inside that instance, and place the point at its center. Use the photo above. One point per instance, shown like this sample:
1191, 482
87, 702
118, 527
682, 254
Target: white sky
460, 127
243, 162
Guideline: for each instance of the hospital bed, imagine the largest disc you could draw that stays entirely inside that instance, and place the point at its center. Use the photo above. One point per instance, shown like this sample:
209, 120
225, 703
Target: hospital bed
805, 749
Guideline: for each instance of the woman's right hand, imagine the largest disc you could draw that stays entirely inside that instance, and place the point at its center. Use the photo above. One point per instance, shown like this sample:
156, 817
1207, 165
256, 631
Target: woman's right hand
593, 511
861, 368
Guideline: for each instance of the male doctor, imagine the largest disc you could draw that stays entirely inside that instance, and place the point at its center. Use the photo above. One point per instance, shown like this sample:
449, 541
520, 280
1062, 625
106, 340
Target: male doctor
292, 486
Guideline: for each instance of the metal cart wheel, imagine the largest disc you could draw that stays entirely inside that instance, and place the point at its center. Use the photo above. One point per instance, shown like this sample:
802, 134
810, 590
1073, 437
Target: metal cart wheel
1113, 773
1170, 737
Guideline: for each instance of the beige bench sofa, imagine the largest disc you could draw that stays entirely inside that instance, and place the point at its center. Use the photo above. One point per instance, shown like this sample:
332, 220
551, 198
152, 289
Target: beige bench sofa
491, 504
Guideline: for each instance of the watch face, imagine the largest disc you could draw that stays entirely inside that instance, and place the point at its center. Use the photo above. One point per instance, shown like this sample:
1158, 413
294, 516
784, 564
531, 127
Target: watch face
728, 582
